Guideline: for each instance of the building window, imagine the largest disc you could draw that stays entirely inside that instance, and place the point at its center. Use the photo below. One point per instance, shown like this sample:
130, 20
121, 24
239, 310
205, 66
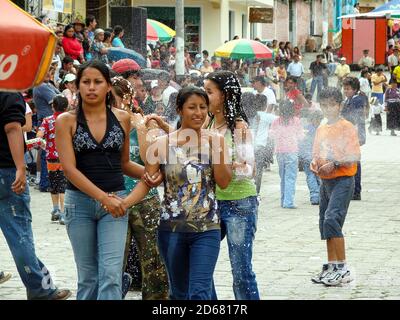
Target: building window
231, 24
292, 22
244, 26
312, 17
253, 30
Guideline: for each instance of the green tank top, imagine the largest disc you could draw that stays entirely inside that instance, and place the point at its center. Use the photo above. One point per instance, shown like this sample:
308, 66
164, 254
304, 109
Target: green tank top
237, 189
134, 155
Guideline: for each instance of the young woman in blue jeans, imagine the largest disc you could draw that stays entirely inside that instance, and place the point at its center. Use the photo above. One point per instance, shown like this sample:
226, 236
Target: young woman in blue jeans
93, 145
237, 203
193, 162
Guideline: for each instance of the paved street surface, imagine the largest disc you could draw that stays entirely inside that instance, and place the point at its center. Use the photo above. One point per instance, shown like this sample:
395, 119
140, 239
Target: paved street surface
287, 249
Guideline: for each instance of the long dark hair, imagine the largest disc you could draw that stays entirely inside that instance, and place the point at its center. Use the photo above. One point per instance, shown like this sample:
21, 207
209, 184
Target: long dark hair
67, 27
103, 69
170, 112
124, 89
185, 93
117, 31
229, 84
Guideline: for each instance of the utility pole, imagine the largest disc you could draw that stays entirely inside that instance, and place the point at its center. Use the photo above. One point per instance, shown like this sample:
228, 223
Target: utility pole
179, 40
325, 23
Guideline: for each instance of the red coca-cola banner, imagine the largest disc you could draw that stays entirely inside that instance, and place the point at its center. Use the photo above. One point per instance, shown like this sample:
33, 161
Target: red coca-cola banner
26, 48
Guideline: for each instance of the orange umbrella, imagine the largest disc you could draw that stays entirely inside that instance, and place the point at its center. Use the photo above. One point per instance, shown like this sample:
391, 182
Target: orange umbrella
26, 48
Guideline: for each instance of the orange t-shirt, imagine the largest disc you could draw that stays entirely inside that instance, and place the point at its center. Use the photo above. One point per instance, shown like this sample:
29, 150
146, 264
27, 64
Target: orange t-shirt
337, 142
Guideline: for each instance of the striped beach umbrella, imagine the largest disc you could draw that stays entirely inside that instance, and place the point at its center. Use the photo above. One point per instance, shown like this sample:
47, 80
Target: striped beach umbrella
157, 31
244, 49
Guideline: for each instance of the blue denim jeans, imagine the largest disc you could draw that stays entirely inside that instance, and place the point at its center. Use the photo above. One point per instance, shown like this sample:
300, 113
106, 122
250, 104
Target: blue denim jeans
44, 183
98, 242
313, 182
16, 224
288, 166
317, 83
336, 195
190, 260
357, 179
331, 68
239, 224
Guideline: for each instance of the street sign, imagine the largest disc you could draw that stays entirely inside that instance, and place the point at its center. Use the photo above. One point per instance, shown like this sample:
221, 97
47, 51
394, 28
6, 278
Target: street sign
261, 15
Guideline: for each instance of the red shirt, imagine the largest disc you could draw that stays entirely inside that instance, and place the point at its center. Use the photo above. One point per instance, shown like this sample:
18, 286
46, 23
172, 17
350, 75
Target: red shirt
48, 127
215, 66
72, 47
292, 95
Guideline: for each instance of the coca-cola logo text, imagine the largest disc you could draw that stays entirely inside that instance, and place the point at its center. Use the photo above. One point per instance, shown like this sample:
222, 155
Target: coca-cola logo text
7, 65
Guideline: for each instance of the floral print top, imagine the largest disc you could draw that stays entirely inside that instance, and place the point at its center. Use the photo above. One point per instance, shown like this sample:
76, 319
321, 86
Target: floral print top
48, 127
189, 203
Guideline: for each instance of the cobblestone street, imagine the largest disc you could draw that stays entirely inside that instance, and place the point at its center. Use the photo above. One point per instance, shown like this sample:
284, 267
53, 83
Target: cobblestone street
288, 250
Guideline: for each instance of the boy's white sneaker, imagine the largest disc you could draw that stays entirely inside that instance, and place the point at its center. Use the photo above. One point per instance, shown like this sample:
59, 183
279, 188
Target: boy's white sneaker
326, 269
337, 277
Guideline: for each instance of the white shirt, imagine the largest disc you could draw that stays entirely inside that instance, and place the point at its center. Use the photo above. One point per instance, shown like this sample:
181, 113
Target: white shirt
364, 85
166, 94
59, 65
331, 58
295, 69
393, 60
271, 99
28, 110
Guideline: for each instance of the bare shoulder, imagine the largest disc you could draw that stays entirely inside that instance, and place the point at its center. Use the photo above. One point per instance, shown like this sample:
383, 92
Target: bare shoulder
121, 115
67, 117
137, 119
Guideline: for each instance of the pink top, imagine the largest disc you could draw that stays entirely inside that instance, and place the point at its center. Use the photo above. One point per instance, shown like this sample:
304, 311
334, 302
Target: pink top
286, 137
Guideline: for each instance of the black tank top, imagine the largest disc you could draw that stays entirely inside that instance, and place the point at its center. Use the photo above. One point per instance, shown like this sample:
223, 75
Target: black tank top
99, 162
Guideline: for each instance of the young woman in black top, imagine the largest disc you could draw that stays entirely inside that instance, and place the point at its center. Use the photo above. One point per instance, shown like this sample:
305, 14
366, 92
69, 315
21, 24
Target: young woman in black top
93, 145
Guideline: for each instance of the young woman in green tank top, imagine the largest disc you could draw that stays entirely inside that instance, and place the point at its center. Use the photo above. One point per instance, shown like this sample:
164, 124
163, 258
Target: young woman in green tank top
238, 203
144, 216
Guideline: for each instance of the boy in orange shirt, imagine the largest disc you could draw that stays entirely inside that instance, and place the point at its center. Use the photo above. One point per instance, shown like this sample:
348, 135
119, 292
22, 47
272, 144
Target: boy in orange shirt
335, 154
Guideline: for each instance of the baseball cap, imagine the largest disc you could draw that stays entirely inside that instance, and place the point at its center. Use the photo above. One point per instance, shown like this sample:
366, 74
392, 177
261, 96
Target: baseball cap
97, 31
154, 84
69, 78
124, 65
342, 59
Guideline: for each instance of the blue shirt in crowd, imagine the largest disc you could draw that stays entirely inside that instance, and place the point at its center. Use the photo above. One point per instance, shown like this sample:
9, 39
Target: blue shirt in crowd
42, 95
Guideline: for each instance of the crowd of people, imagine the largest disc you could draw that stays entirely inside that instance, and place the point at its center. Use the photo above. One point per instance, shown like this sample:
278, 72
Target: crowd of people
106, 136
